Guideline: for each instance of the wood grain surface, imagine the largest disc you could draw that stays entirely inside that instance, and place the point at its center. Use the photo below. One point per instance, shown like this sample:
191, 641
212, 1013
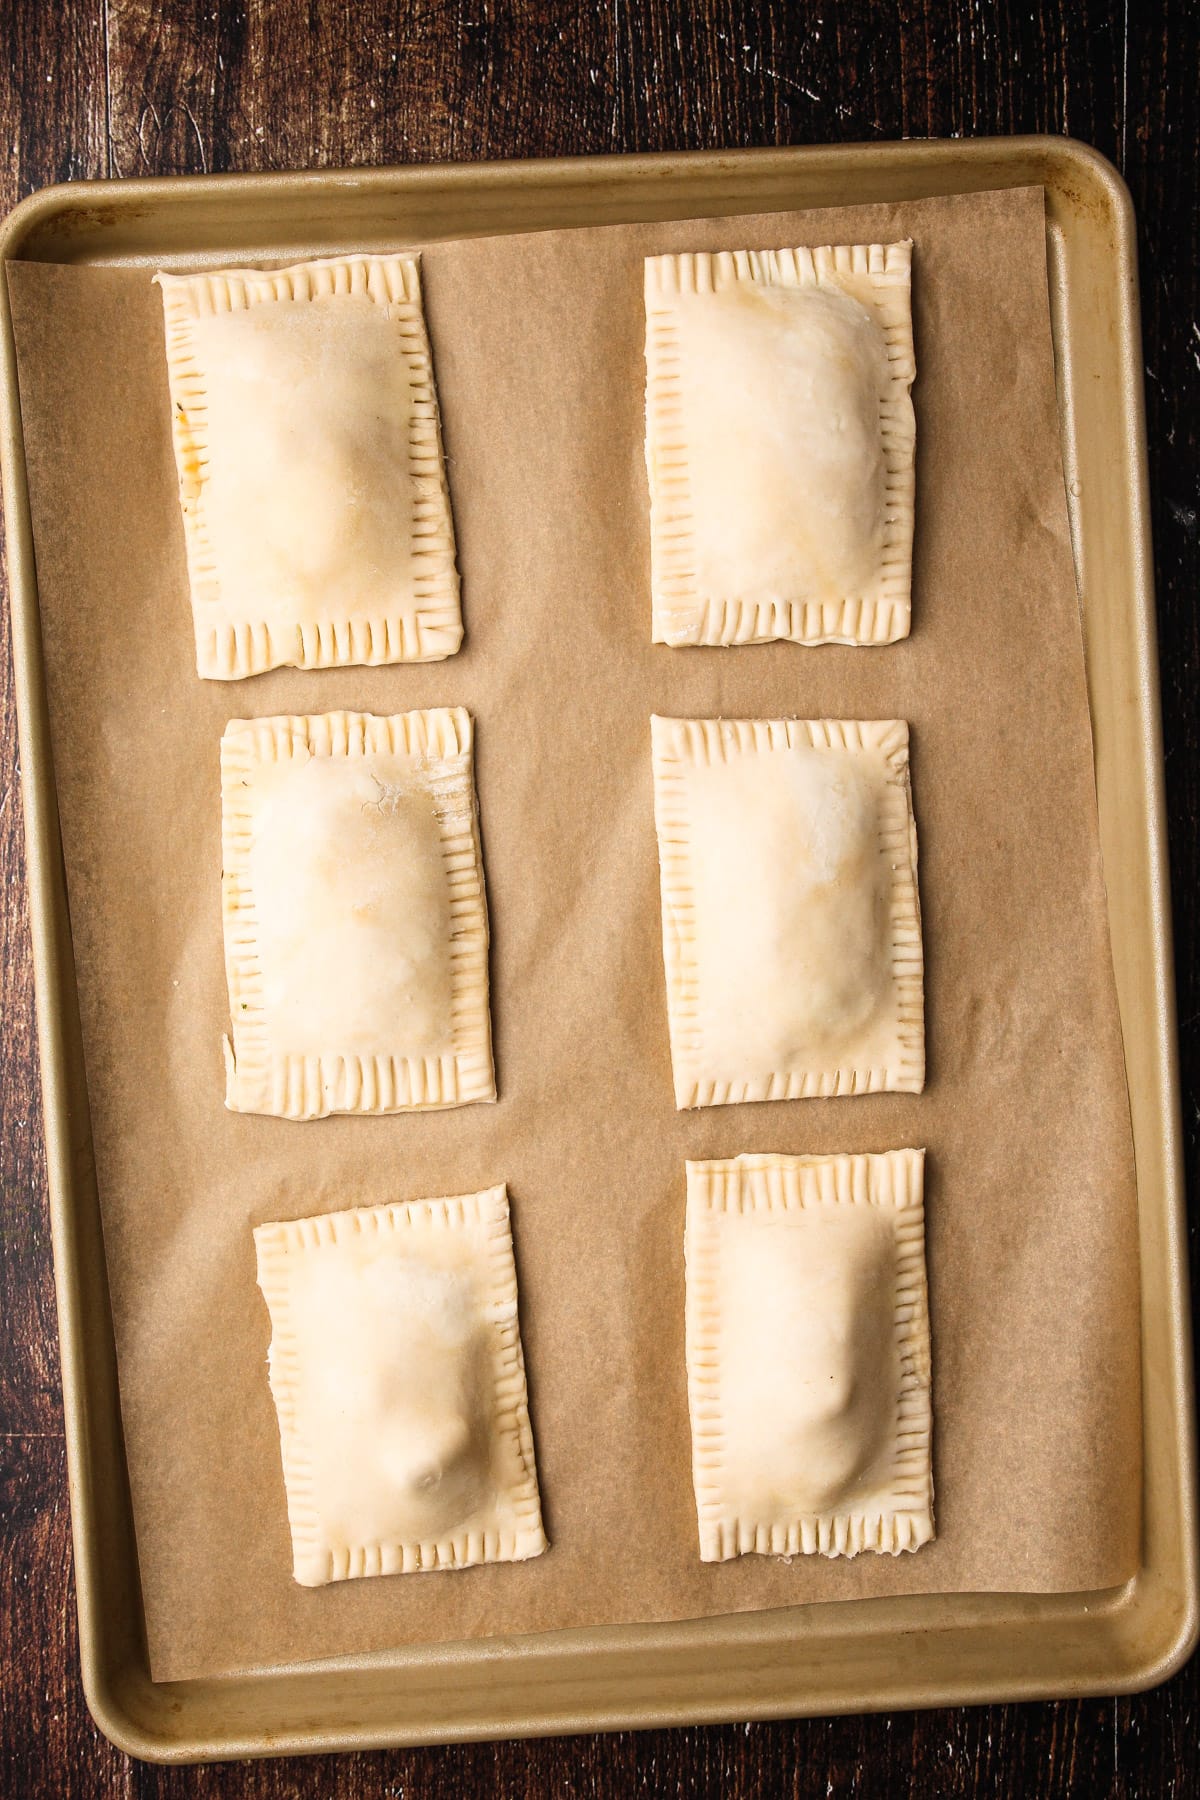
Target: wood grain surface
92, 88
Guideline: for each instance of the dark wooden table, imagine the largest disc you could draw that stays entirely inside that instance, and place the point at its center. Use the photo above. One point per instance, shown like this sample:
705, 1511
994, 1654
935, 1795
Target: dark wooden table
93, 88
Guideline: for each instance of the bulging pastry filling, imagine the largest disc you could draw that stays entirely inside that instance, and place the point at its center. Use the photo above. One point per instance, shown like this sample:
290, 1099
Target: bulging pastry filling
791, 914
782, 388
395, 1400
810, 1376
308, 500
353, 910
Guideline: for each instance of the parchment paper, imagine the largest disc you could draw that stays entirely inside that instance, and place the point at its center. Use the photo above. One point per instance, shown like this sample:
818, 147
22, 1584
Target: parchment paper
1031, 1202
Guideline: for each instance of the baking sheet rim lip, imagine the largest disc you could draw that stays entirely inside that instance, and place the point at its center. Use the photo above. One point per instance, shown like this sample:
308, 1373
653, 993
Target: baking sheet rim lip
40, 814
61, 198
135, 1741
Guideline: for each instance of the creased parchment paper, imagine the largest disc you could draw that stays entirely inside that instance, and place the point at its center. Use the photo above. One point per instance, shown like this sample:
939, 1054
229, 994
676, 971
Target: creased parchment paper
1031, 1203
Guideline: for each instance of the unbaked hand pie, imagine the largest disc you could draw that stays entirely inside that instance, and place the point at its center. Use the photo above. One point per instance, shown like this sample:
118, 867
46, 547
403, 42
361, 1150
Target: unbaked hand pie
356, 932
780, 444
315, 508
791, 926
399, 1384
808, 1354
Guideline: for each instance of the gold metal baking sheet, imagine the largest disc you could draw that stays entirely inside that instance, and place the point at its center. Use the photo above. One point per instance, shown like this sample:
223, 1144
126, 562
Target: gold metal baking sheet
820, 1658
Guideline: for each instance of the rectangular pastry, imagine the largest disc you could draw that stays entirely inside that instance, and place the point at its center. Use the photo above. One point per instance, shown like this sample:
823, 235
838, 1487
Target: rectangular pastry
399, 1384
790, 917
808, 1354
356, 931
315, 507
780, 444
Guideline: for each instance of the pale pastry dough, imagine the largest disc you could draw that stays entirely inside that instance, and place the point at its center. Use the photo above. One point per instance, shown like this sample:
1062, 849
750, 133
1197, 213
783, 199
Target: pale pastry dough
356, 932
808, 1354
399, 1383
315, 507
780, 444
790, 918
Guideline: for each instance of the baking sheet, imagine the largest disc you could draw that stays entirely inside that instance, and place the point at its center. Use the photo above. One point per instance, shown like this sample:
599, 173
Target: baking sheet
1032, 1248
